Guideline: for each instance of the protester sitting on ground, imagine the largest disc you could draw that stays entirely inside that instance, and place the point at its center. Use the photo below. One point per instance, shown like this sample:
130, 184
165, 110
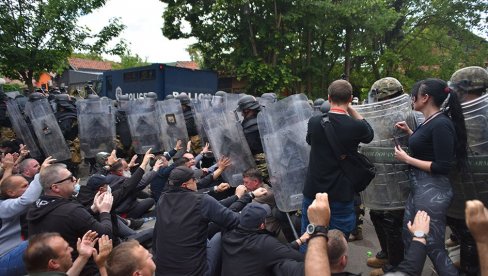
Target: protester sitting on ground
250, 250
253, 179
130, 206
16, 197
130, 258
50, 254
28, 168
180, 235
56, 212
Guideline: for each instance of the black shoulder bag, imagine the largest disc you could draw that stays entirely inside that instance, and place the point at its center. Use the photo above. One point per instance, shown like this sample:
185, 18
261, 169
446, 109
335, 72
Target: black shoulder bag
356, 167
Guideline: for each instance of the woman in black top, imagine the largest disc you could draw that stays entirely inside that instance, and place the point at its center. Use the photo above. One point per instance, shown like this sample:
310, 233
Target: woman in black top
434, 147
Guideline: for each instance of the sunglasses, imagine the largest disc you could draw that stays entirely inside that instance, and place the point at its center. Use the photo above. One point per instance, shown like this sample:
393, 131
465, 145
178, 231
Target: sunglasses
70, 177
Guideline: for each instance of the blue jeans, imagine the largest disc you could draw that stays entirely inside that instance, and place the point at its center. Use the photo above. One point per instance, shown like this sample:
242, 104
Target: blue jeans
342, 215
214, 255
12, 263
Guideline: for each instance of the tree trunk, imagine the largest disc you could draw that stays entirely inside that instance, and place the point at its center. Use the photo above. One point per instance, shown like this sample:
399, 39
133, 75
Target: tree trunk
26, 77
252, 39
347, 53
309, 59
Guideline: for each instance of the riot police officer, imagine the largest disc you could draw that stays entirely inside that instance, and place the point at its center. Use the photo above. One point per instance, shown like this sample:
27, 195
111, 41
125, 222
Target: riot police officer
66, 115
250, 107
191, 127
6, 132
469, 83
124, 138
387, 223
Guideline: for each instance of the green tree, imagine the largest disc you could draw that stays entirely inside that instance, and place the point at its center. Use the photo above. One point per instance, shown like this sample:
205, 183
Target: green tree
301, 46
37, 36
128, 60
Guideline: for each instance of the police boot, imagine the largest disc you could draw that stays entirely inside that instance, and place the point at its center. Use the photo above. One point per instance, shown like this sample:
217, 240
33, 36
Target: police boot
377, 272
378, 261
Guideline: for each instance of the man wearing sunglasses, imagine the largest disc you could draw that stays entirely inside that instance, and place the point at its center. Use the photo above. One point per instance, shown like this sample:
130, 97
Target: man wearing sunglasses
55, 211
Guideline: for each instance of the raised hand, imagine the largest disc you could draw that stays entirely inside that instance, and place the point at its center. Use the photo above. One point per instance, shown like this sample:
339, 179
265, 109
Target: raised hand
85, 245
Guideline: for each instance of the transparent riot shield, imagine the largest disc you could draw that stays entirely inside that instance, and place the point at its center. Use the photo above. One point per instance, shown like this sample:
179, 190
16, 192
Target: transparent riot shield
172, 123
200, 109
47, 130
143, 124
227, 139
391, 186
22, 130
473, 183
283, 126
96, 125
230, 102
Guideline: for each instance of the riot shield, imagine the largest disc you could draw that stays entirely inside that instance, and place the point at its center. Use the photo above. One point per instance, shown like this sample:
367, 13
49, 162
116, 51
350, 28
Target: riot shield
230, 102
47, 130
21, 129
473, 183
96, 125
172, 123
200, 108
227, 139
143, 124
391, 186
282, 127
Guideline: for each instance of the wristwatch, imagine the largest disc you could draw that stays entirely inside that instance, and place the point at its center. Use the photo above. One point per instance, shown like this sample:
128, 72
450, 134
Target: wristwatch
420, 234
315, 229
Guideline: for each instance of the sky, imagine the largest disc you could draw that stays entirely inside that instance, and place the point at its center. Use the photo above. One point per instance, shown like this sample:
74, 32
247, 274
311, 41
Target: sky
143, 20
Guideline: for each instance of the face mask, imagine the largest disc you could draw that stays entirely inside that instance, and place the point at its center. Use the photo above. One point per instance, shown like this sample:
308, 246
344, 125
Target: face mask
76, 190
109, 189
126, 174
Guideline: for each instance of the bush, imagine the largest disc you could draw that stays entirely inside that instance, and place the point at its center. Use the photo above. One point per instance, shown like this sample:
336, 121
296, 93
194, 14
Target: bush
12, 87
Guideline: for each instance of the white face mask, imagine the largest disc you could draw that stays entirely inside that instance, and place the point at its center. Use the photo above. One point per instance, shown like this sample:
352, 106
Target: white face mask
126, 174
76, 190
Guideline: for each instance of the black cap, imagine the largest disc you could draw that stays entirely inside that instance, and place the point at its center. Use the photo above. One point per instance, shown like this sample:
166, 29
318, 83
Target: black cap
253, 215
180, 175
96, 181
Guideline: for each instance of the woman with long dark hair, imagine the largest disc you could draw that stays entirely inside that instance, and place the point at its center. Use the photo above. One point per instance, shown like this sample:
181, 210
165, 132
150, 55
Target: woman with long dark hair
436, 146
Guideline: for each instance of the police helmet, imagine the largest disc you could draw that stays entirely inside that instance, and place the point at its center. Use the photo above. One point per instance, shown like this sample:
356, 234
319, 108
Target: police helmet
248, 102
325, 107
101, 157
220, 93
151, 95
184, 99
169, 97
318, 102
385, 88
35, 96
93, 97
470, 79
270, 96
63, 97
124, 97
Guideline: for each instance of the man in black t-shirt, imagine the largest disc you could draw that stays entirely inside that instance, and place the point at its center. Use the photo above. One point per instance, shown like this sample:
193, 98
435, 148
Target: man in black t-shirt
324, 172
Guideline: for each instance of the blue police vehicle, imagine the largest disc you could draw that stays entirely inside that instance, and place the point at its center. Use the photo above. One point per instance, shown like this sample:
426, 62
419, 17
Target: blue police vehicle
159, 78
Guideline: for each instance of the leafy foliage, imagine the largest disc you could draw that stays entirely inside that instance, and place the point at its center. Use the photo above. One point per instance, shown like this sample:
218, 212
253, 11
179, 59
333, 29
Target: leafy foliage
301, 46
39, 35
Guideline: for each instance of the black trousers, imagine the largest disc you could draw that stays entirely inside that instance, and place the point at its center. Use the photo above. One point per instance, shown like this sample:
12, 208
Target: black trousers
469, 254
388, 226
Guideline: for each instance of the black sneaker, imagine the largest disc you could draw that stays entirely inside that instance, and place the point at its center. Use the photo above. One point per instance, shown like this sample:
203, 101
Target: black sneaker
136, 223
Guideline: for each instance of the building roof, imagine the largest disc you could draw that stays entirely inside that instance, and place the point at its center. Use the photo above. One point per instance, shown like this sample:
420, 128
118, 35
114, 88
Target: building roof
87, 64
185, 64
